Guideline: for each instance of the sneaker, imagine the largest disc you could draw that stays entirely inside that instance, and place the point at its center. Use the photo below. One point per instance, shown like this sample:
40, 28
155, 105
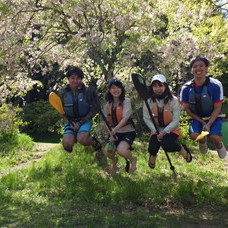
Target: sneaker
203, 148
222, 152
132, 166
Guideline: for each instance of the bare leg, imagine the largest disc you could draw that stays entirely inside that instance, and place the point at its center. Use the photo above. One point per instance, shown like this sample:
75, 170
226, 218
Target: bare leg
68, 142
113, 158
123, 150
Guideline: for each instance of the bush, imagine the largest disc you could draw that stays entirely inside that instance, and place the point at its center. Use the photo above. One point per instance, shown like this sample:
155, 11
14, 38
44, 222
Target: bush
10, 138
11, 142
41, 118
9, 119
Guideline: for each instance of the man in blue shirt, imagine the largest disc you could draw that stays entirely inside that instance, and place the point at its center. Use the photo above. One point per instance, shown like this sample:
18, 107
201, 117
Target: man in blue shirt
203, 97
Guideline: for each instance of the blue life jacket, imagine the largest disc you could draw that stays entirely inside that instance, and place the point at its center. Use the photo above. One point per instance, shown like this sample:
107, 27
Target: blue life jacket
75, 106
202, 103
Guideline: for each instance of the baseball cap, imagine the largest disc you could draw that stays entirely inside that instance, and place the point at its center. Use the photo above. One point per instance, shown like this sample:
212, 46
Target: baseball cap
159, 77
114, 81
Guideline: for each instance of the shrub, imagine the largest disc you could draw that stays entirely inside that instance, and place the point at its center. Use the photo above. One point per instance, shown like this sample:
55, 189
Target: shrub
10, 138
9, 119
41, 118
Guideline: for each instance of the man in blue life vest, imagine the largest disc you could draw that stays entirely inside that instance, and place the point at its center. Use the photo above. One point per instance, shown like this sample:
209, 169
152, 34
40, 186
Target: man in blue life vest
203, 97
79, 104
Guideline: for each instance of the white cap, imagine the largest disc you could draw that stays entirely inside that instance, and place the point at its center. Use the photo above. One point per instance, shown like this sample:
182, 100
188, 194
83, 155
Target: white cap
159, 77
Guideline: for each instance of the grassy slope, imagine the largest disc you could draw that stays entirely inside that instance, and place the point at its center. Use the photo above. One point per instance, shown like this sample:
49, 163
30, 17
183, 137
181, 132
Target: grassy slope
66, 190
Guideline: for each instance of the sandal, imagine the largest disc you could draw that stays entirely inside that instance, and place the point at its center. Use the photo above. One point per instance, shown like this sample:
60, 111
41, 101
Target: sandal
152, 160
189, 156
127, 166
132, 167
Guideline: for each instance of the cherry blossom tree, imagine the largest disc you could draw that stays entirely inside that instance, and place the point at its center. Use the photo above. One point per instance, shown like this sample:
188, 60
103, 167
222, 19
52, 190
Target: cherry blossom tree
107, 38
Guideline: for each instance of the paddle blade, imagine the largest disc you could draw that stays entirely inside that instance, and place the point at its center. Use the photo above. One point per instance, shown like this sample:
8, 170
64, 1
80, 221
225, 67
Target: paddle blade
56, 102
140, 85
202, 135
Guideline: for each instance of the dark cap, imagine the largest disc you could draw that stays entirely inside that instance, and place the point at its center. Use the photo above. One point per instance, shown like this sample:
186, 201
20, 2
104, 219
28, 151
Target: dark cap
114, 81
74, 70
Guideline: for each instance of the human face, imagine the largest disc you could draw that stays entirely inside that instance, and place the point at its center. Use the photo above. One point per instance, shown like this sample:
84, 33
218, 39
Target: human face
115, 91
158, 89
74, 81
199, 69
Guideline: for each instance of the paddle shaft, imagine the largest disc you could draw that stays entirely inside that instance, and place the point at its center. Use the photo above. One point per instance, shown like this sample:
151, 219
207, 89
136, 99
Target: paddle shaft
142, 89
104, 118
157, 131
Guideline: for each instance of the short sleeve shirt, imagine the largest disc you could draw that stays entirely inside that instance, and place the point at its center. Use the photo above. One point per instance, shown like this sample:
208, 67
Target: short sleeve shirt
214, 88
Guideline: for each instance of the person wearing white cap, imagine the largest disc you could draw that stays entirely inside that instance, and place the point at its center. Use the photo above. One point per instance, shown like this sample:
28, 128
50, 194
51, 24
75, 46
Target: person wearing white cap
165, 108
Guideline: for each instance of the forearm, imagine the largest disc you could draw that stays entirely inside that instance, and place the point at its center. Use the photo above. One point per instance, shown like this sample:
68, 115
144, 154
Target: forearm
215, 113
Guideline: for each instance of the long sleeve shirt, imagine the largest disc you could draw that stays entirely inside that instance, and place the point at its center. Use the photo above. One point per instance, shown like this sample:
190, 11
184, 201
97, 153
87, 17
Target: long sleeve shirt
175, 109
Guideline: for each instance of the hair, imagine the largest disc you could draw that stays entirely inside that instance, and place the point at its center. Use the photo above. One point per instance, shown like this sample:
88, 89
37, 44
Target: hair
199, 58
167, 95
109, 97
74, 70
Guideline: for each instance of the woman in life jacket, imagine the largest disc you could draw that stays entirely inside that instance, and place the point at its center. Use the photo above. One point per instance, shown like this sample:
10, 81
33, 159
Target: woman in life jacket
165, 108
118, 112
203, 97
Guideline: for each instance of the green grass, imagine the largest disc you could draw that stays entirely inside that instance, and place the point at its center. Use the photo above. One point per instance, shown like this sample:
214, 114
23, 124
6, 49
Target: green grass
66, 190
15, 149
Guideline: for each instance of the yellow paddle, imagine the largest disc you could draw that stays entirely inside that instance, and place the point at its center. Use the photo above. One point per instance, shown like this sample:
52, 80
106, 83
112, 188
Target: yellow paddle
56, 103
220, 115
201, 135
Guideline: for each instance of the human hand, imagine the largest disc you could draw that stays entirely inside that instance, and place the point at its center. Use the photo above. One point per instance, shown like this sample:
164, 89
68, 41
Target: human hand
161, 135
113, 138
206, 127
113, 132
75, 126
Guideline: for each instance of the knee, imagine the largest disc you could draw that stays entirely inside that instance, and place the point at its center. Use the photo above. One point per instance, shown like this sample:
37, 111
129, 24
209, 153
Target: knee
68, 146
193, 136
215, 138
83, 141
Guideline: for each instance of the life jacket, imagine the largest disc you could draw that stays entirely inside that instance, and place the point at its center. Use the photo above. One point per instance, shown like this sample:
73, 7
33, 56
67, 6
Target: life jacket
75, 106
115, 115
202, 103
162, 116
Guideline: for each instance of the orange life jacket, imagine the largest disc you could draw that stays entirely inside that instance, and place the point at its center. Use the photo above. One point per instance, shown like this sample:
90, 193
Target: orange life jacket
162, 116
114, 115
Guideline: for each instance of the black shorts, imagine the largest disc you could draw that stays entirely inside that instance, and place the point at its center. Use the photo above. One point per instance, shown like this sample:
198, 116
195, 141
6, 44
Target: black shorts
128, 137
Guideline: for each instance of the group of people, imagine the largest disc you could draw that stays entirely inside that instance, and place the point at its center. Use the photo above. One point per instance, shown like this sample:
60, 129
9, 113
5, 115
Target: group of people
201, 97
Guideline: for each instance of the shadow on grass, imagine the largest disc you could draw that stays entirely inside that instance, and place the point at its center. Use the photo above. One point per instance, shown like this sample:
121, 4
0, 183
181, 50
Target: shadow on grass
66, 190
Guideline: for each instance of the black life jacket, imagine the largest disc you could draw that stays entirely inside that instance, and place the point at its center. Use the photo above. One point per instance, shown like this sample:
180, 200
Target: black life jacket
202, 103
76, 106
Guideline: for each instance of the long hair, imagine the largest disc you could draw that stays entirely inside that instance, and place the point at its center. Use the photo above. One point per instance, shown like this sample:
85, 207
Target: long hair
109, 97
167, 94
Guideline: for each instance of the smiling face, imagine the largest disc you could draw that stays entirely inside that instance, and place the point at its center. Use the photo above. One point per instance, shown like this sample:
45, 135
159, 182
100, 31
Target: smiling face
199, 69
74, 81
158, 88
115, 91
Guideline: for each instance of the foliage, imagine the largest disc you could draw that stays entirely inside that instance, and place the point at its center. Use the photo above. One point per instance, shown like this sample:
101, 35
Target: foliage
41, 118
9, 119
107, 38
11, 143
67, 190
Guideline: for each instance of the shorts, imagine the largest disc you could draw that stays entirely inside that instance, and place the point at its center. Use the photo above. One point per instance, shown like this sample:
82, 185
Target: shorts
215, 129
86, 127
128, 137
